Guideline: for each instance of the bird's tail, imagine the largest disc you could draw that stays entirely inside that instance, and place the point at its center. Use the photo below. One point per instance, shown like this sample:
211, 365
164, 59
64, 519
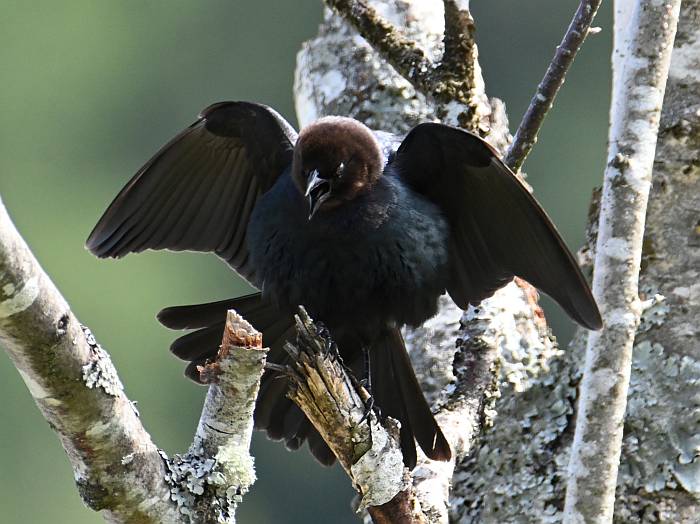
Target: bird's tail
274, 412
208, 320
398, 395
394, 384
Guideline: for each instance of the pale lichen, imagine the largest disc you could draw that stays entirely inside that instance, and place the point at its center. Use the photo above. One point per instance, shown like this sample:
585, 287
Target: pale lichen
99, 372
194, 478
384, 455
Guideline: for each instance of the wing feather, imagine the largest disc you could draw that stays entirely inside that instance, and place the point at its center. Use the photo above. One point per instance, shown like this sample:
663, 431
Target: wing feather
498, 230
197, 193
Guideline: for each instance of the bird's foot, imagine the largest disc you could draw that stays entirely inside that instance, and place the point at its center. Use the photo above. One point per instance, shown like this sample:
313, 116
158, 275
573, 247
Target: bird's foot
330, 347
370, 405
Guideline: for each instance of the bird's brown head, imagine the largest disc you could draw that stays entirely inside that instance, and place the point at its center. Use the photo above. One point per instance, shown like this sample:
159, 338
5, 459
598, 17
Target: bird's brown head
335, 159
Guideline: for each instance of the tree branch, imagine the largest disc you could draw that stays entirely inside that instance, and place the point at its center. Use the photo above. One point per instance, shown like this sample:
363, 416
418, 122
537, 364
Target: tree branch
458, 57
457, 85
335, 405
118, 469
644, 35
507, 327
454, 85
526, 135
401, 53
209, 480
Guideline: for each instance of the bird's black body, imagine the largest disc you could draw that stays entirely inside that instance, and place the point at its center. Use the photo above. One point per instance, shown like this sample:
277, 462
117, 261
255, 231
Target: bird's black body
394, 278
364, 229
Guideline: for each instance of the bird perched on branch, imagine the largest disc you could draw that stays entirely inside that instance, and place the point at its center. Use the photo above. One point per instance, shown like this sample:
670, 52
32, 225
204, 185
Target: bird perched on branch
362, 228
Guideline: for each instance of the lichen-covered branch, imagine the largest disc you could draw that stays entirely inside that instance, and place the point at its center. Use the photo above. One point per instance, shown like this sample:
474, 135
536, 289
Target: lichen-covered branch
336, 406
518, 471
644, 35
449, 77
207, 483
458, 88
459, 57
118, 469
404, 55
507, 332
526, 135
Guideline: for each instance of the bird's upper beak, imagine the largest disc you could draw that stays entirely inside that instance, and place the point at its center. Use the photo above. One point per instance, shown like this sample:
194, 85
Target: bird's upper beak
317, 191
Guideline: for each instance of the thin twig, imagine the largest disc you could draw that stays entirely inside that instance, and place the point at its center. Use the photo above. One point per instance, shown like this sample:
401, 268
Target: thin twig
458, 57
457, 85
401, 53
644, 35
526, 135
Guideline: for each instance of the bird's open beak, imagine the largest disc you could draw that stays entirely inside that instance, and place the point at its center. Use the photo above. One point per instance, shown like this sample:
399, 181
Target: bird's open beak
317, 191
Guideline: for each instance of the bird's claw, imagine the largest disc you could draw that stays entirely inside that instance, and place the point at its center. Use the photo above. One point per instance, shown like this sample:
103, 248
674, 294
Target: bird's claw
369, 406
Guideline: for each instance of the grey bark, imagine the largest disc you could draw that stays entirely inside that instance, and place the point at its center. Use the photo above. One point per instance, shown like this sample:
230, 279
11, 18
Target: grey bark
523, 458
208, 482
119, 471
659, 475
517, 471
333, 77
642, 54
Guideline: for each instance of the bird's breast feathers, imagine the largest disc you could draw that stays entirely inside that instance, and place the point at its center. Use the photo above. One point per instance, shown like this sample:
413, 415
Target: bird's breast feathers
390, 245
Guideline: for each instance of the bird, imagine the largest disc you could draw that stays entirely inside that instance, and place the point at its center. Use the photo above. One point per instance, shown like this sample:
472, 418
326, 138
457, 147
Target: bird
365, 229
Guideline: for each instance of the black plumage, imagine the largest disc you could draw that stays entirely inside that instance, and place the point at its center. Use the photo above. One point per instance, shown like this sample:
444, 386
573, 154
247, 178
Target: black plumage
365, 234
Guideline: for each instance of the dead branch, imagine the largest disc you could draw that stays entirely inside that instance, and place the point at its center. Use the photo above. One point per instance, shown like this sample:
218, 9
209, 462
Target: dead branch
208, 482
335, 405
401, 53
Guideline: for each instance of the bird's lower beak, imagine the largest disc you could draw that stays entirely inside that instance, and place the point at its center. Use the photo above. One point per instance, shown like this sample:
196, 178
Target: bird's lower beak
317, 191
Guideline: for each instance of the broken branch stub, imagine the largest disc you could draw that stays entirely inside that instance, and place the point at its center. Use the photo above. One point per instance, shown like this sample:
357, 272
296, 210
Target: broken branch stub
208, 482
335, 404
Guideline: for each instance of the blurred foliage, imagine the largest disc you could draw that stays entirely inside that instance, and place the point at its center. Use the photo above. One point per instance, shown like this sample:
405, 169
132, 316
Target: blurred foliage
91, 89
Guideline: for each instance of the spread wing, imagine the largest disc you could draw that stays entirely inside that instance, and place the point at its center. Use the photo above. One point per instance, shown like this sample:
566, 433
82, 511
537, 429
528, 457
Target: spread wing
198, 191
498, 230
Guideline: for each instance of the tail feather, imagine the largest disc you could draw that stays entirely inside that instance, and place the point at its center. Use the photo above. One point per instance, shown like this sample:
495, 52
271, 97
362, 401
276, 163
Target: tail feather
203, 343
395, 386
204, 315
295, 441
405, 401
208, 320
320, 449
389, 400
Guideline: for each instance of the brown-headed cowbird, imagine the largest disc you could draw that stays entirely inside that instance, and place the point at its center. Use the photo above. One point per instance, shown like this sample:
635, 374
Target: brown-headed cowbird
364, 229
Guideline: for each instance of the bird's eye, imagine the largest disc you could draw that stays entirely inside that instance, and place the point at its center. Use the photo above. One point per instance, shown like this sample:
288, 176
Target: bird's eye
341, 170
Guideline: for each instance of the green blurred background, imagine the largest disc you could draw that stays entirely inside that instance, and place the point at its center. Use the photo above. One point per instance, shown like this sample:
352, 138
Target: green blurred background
90, 89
